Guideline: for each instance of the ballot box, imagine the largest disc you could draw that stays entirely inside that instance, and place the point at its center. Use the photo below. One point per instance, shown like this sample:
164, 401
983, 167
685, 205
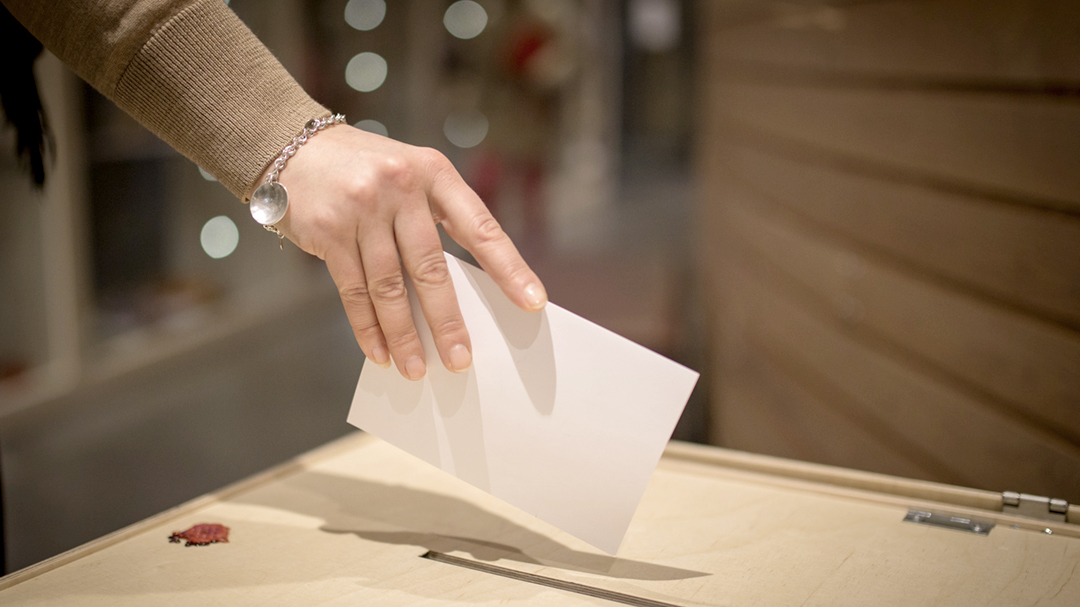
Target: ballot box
359, 522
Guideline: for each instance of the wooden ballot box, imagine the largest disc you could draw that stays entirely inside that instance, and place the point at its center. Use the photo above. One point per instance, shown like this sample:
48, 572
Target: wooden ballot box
359, 522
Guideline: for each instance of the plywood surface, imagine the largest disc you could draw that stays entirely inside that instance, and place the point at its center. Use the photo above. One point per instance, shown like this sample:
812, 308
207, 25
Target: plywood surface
1022, 149
348, 527
781, 417
890, 235
1027, 365
950, 41
924, 417
831, 346
1025, 259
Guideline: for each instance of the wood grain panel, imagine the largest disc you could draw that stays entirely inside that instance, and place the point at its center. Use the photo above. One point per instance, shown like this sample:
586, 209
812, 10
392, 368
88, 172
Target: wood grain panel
891, 221
1024, 150
954, 40
1031, 365
768, 412
1031, 260
989, 449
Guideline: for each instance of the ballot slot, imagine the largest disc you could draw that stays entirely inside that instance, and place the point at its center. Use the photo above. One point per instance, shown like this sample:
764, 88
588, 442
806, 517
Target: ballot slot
532, 578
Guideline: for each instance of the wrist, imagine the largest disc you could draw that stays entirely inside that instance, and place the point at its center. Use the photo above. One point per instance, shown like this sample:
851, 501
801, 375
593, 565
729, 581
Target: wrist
270, 200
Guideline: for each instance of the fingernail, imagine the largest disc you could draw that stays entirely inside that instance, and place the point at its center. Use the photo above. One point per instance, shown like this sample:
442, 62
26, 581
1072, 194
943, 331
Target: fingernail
415, 368
535, 297
460, 358
381, 356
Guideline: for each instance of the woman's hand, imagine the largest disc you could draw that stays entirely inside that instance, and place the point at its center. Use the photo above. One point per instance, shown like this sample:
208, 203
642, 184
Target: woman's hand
366, 204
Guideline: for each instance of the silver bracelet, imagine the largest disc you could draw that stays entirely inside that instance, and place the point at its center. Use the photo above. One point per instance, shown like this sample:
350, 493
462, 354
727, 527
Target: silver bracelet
271, 200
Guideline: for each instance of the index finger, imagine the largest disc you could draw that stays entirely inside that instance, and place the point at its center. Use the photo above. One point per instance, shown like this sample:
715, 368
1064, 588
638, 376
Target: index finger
468, 221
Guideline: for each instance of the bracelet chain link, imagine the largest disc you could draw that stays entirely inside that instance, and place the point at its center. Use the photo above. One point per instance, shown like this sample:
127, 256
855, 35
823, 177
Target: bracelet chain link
310, 128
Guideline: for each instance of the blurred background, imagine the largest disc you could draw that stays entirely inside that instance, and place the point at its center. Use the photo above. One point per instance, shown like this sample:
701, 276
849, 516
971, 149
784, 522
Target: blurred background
860, 220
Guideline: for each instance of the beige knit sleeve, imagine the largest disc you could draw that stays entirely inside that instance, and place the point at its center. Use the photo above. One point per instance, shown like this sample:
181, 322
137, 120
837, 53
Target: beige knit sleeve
189, 70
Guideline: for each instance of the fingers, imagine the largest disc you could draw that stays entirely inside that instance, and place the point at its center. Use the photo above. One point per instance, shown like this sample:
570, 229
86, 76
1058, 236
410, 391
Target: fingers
348, 274
468, 221
422, 254
377, 304
386, 288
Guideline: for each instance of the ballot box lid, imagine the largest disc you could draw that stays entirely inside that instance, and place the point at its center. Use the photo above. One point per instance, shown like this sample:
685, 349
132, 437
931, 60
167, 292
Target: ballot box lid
361, 522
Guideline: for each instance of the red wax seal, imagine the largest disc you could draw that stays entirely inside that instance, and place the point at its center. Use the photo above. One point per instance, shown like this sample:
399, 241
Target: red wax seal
202, 535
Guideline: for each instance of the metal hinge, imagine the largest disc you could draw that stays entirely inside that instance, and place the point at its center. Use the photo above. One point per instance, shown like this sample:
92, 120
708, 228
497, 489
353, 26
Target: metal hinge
948, 521
1035, 506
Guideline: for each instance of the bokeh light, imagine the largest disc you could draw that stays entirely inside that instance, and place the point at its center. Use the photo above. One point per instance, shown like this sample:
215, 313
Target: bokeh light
466, 129
465, 19
372, 126
219, 237
655, 25
365, 15
366, 72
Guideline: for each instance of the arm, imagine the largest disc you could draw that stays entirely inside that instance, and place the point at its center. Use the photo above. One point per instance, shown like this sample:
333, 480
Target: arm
188, 70
192, 73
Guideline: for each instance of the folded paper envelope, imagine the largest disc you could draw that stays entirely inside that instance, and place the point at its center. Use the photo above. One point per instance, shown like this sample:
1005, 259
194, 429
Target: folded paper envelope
557, 416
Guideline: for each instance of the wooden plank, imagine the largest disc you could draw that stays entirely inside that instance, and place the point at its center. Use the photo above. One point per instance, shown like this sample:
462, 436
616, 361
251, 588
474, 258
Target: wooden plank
954, 40
936, 141
349, 529
1022, 151
993, 450
763, 410
1030, 365
1027, 259
762, 407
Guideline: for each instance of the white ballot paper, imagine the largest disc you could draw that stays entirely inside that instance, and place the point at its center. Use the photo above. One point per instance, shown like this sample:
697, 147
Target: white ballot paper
557, 416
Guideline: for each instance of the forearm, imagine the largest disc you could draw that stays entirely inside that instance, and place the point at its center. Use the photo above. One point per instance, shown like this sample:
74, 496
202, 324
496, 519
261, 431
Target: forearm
188, 70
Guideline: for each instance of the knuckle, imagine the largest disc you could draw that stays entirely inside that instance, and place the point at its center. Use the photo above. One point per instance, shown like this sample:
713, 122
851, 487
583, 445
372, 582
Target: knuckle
398, 340
362, 189
387, 289
356, 293
324, 221
448, 327
433, 159
367, 328
397, 171
486, 230
436, 164
431, 271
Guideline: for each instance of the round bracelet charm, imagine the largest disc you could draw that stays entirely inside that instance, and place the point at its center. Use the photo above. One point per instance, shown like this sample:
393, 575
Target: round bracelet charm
269, 203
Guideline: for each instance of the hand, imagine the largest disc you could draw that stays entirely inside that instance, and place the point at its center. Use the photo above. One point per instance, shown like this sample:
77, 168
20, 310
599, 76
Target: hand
365, 204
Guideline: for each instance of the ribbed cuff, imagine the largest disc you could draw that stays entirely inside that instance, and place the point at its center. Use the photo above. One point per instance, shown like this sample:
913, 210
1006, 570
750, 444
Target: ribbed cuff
206, 85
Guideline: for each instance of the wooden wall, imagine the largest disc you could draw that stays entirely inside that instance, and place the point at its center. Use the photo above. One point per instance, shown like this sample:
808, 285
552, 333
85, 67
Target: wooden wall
890, 222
